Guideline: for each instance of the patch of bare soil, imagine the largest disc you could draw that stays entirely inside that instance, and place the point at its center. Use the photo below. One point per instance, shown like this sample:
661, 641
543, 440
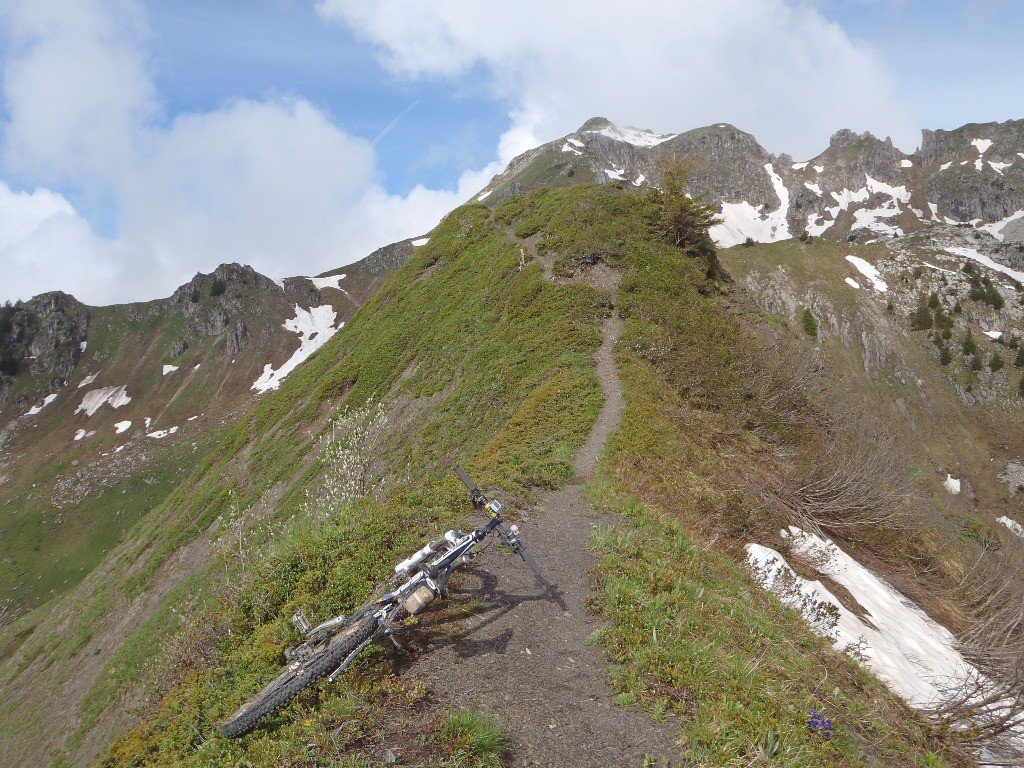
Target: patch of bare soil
521, 655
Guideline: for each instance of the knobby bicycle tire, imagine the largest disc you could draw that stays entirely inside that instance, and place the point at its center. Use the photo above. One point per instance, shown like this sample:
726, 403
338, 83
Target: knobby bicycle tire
291, 682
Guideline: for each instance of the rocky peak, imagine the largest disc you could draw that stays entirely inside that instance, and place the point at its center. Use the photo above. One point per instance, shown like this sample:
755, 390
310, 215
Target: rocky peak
595, 124
43, 336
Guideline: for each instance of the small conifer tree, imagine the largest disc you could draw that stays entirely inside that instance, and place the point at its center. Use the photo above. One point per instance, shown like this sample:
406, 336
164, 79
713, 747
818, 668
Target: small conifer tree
810, 324
969, 346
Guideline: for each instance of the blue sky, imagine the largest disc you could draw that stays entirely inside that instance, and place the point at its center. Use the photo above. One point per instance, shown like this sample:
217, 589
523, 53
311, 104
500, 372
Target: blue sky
142, 141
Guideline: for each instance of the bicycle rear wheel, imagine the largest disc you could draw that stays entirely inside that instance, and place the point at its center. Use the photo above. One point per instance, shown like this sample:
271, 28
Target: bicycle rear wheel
297, 677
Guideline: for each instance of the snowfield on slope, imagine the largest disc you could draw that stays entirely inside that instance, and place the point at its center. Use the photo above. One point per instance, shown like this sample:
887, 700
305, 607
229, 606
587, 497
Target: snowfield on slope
327, 282
315, 327
911, 653
94, 400
868, 270
37, 408
742, 220
635, 136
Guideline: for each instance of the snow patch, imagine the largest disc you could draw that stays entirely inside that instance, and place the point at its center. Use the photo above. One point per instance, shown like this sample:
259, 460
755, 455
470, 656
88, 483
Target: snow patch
191, 418
334, 281
944, 166
952, 484
935, 211
37, 408
423, 240
82, 434
616, 174
798, 166
981, 145
998, 167
1013, 525
914, 655
169, 369
813, 187
83, 346
278, 281
818, 168
993, 334
88, 380
940, 269
576, 142
634, 136
996, 227
852, 283
482, 196
742, 220
567, 147
869, 271
639, 180
162, 433
114, 396
148, 422
122, 426
906, 164
315, 327
970, 253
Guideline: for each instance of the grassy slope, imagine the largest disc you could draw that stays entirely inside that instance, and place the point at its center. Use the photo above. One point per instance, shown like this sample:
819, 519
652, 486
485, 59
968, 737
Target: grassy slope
451, 340
507, 358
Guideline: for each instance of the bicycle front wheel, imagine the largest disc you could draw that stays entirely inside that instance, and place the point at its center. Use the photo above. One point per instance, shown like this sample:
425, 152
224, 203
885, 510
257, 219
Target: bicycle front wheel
297, 677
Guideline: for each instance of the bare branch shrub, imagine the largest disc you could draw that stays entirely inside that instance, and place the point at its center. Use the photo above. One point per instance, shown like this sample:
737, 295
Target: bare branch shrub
987, 706
352, 462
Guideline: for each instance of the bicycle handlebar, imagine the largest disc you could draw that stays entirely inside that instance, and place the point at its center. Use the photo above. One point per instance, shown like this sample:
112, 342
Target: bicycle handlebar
508, 533
479, 499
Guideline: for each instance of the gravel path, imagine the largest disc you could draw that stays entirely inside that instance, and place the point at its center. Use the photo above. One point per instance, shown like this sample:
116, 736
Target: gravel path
522, 657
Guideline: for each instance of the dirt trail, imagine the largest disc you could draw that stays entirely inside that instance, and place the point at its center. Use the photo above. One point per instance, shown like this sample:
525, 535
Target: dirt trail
522, 658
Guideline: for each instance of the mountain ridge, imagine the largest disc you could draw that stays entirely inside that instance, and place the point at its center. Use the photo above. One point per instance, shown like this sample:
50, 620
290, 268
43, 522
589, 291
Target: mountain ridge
881, 346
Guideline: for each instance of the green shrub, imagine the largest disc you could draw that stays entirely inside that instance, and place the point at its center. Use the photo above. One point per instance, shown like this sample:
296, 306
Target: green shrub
218, 286
810, 324
921, 318
968, 345
996, 363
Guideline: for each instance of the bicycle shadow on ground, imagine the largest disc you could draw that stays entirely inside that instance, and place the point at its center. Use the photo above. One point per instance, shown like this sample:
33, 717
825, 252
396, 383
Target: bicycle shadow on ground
471, 610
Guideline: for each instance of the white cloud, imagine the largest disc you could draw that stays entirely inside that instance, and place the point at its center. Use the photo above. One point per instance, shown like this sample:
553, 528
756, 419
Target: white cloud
274, 184
277, 184
775, 68
33, 229
76, 89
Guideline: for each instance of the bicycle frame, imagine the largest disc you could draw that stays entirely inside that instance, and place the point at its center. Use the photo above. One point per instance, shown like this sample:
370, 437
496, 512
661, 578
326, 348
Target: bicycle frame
423, 585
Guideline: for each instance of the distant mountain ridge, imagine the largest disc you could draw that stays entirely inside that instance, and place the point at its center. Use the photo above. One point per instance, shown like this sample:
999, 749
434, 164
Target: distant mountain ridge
91, 397
860, 187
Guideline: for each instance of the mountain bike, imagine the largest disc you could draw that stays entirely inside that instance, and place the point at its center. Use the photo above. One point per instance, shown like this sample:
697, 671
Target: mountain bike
330, 647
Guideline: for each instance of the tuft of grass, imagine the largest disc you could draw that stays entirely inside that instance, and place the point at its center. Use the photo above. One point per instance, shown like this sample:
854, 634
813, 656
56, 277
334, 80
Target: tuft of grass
472, 740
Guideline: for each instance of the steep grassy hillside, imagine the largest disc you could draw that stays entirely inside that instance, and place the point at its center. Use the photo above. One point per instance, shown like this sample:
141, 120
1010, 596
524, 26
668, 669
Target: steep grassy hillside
75, 480
443, 345
478, 361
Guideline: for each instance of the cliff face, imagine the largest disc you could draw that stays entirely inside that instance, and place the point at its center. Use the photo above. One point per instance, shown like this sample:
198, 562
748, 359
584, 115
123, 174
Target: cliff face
42, 337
